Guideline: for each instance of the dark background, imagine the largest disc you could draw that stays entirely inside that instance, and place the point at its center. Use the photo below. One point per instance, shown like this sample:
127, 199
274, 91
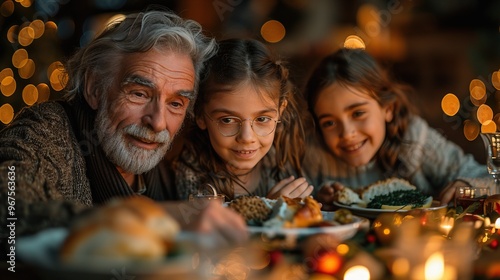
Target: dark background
437, 47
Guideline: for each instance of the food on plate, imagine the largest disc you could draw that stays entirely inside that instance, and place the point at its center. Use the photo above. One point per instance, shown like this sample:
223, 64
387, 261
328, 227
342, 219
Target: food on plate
392, 193
126, 229
254, 209
283, 212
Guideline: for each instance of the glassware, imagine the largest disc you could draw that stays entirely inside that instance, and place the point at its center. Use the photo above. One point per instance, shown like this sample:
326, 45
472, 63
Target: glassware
207, 194
465, 196
492, 146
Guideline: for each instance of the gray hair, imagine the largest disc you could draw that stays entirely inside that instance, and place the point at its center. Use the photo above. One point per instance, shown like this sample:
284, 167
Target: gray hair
138, 32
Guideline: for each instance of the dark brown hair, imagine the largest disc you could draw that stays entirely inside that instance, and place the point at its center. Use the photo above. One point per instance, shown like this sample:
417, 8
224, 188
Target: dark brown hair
245, 60
356, 68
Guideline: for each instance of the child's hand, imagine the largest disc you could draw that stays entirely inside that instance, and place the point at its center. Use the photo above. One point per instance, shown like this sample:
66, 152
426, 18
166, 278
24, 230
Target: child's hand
291, 188
326, 193
447, 195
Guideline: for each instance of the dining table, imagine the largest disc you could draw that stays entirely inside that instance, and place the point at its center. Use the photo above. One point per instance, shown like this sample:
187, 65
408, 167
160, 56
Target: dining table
435, 243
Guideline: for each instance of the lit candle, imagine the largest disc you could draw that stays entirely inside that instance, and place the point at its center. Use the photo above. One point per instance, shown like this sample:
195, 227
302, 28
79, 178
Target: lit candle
497, 224
357, 272
435, 269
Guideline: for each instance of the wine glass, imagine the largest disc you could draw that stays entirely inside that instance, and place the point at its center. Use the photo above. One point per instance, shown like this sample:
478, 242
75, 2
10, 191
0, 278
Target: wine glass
492, 145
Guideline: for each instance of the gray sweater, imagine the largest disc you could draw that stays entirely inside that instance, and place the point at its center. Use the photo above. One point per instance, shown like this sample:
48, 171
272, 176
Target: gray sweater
430, 163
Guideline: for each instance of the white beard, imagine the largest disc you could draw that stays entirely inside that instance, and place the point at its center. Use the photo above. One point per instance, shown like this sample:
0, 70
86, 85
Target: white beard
128, 157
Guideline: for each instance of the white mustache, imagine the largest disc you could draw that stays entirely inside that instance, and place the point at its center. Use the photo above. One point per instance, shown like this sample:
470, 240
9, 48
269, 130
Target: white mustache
148, 134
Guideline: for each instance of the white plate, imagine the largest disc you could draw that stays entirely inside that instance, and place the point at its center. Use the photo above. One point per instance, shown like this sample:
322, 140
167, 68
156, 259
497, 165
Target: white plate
342, 232
372, 213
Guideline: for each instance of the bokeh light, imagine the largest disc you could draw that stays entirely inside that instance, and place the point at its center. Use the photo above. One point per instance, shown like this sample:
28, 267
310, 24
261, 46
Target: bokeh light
6, 113
7, 8
26, 36
273, 31
354, 42
38, 27
43, 92
450, 104
488, 126
19, 58
471, 130
484, 113
495, 79
12, 33
30, 94
27, 70
8, 86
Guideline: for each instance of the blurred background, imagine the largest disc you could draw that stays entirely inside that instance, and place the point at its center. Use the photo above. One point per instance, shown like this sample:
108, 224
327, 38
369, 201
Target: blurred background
448, 50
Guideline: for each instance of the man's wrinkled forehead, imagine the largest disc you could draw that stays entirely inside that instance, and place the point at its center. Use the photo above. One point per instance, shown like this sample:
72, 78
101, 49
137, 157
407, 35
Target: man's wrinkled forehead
143, 81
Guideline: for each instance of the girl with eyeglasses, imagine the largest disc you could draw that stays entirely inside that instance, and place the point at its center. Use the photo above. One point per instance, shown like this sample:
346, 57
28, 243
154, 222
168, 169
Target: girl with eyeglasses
248, 135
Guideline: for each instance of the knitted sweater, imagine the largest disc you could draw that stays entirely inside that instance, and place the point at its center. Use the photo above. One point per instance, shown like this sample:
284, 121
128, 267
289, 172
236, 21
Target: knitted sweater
52, 167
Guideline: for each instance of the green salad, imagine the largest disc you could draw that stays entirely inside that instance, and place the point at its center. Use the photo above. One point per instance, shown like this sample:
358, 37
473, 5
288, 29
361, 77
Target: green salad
400, 197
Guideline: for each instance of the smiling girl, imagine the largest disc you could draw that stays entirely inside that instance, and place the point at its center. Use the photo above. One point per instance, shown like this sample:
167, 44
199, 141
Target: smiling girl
248, 135
369, 132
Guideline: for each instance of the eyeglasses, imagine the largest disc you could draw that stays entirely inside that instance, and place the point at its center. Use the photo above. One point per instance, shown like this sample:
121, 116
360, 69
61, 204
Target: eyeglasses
230, 126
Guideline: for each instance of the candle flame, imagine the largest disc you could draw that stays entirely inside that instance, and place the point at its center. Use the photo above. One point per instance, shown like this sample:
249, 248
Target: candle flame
434, 267
357, 272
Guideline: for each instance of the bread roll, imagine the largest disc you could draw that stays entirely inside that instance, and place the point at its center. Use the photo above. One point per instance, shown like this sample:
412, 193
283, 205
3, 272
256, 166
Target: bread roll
129, 229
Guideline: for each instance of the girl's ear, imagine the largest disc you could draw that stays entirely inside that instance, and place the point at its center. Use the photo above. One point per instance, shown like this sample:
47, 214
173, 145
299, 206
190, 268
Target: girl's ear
200, 121
92, 98
283, 106
389, 112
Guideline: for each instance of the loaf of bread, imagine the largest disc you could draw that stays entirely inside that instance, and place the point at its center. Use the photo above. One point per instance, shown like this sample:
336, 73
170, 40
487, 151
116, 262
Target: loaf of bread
124, 230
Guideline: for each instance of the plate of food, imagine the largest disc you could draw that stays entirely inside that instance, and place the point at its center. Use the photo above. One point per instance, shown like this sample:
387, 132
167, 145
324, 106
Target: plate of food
385, 196
129, 236
295, 217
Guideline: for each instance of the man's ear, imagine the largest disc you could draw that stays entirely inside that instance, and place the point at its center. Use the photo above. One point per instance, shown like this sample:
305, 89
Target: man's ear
91, 97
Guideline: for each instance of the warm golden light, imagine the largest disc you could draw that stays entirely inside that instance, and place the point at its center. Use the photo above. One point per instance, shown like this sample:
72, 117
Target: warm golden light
471, 130
354, 42
38, 27
26, 36
476, 83
495, 79
27, 70
368, 19
484, 113
6, 113
434, 267
489, 127
30, 94
50, 25
497, 223
8, 86
450, 104
25, 3
12, 33
273, 31
400, 267
357, 272
19, 58
5, 73
43, 92
7, 8
55, 80
478, 92
342, 249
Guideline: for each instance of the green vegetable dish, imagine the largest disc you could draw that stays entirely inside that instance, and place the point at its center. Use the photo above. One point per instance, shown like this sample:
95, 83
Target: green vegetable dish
400, 197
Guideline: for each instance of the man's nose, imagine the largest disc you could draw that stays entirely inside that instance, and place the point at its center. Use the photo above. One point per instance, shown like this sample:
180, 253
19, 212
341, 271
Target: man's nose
156, 117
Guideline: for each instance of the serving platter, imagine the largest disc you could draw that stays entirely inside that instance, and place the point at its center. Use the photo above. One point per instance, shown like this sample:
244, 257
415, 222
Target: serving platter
341, 231
372, 213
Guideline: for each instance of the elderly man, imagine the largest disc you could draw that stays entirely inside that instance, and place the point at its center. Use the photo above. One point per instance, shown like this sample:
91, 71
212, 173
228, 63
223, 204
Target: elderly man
128, 93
